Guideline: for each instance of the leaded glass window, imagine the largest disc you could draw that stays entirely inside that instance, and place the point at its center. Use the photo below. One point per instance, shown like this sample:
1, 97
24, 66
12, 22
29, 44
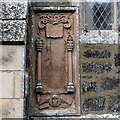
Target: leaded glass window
98, 15
118, 7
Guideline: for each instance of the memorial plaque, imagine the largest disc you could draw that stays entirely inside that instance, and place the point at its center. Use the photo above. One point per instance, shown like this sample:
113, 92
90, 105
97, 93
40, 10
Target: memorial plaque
54, 83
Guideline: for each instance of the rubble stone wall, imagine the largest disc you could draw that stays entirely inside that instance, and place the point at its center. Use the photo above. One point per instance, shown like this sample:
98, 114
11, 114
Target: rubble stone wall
100, 71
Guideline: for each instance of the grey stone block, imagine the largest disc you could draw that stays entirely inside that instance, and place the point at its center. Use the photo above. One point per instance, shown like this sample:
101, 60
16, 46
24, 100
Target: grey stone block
13, 30
117, 59
110, 83
114, 103
94, 104
97, 54
13, 10
89, 86
97, 68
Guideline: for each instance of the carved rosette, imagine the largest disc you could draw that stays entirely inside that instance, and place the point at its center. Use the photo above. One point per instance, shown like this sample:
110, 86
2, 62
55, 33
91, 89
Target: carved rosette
54, 101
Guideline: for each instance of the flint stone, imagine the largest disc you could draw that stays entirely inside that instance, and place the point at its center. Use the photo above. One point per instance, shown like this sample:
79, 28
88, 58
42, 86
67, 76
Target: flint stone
110, 83
97, 54
114, 103
97, 68
94, 104
90, 86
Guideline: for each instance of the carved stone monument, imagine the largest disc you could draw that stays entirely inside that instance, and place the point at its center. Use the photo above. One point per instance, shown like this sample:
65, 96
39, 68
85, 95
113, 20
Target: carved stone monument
55, 88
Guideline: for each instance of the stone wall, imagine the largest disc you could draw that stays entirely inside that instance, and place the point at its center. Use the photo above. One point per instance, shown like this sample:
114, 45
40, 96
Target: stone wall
99, 64
12, 58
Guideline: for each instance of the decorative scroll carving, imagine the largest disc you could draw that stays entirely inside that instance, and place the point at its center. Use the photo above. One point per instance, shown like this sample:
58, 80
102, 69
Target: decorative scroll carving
54, 24
39, 46
54, 19
70, 87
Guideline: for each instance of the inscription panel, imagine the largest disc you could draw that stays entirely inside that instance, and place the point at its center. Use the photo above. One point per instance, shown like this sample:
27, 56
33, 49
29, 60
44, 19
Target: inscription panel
54, 65
55, 89
54, 31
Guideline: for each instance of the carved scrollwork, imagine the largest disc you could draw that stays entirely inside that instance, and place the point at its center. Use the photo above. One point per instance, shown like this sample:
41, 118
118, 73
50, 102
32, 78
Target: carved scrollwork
39, 45
70, 43
54, 19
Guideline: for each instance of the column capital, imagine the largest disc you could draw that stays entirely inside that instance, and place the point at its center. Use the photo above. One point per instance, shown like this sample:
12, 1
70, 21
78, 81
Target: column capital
70, 43
39, 44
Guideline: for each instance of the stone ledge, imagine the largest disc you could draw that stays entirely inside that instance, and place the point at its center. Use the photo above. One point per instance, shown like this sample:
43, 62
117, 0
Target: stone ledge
13, 10
54, 3
101, 36
93, 117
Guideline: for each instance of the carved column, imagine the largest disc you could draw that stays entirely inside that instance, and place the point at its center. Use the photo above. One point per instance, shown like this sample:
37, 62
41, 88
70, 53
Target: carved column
70, 86
39, 46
